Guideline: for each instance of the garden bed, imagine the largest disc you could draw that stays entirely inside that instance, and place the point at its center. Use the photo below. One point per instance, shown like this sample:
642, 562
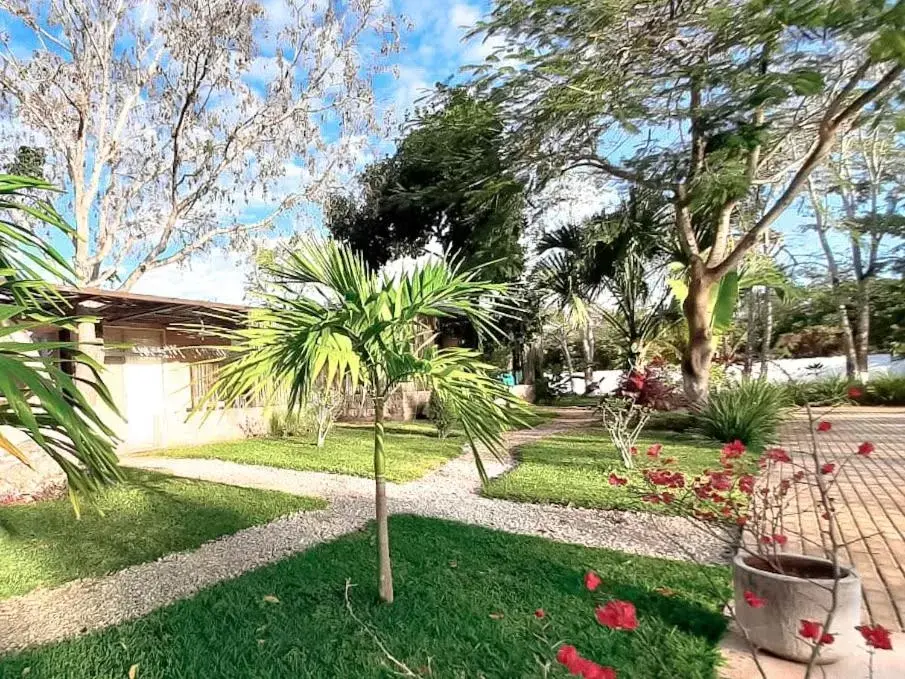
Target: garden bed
574, 469
465, 607
43, 544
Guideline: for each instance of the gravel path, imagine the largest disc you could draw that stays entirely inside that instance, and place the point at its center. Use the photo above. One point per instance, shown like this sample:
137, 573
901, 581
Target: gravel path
43, 616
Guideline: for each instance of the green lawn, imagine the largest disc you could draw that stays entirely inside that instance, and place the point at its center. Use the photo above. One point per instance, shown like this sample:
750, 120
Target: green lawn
44, 544
465, 602
412, 449
574, 468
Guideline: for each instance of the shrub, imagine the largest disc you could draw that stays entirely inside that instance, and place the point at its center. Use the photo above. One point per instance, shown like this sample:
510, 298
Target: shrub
648, 389
677, 421
750, 411
441, 415
825, 391
283, 424
886, 390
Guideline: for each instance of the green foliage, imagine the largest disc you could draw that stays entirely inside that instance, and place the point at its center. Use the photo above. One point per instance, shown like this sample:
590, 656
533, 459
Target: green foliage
287, 423
369, 329
443, 417
447, 182
674, 421
466, 586
750, 411
43, 544
885, 390
825, 391
37, 396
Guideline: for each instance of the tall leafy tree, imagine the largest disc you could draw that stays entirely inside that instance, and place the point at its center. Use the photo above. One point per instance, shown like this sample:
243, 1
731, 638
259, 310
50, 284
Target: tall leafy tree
330, 318
447, 182
699, 100
38, 395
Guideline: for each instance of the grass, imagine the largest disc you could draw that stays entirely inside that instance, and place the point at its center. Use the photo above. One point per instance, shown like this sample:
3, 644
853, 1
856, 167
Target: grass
44, 544
574, 469
412, 450
465, 602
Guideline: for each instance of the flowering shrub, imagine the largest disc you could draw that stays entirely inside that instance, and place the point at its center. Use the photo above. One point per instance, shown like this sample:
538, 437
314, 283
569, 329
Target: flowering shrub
730, 497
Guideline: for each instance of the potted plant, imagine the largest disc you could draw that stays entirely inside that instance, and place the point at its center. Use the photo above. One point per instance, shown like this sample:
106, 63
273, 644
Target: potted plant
801, 607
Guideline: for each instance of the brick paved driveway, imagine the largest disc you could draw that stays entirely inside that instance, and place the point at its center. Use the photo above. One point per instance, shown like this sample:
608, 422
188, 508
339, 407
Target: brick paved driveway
870, 503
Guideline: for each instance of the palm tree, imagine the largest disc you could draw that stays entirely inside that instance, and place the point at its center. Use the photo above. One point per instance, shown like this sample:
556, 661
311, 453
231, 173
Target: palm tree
38, 396
329, 317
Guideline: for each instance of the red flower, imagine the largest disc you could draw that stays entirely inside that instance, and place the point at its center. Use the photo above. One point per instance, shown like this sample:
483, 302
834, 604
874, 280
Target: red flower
742, 520
855, 393
616, 481
823, 425
780, 539
540, 613
667, 498
633, 450
866, 448
654, 450
876, 636
766, 540
720, 481
810, 629
582, 667
778, 455
826, 639
617, 615
746, 484
828, 468
592, 581
567, 655
753, 600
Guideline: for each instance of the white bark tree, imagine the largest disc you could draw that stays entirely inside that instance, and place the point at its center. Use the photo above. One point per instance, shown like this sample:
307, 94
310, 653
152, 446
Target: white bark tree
856, 202
177, 127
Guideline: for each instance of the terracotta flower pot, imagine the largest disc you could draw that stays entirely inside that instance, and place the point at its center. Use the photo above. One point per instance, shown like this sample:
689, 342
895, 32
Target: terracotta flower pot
802, 591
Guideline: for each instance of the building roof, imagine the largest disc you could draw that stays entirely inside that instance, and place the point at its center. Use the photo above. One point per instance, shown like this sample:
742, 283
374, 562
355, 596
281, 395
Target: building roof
129, 308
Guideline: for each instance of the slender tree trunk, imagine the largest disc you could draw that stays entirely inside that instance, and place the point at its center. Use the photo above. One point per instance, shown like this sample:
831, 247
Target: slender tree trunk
698, 354
384, 567
767, 339
862, 332
751, 330
566, 354
587, 345
848, 343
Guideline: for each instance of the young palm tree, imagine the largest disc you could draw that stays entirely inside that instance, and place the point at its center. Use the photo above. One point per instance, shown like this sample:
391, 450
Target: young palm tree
37, 396
329, 317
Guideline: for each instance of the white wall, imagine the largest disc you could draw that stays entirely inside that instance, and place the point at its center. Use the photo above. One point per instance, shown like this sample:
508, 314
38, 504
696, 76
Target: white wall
780, 370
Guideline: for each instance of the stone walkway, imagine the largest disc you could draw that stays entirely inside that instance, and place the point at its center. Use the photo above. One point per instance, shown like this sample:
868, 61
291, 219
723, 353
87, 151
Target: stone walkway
85, 605
870, 503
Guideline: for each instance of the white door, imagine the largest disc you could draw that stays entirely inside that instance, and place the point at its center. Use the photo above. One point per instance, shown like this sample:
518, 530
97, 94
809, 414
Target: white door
143, 387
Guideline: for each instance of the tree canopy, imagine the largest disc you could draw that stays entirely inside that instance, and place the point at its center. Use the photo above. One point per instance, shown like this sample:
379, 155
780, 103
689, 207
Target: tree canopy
447, 182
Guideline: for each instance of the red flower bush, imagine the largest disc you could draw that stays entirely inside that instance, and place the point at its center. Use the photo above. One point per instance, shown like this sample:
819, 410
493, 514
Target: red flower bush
866, 448
648, 389
617, 614
823, 425
876, 636
855, 393
828, 468
592, 581
654, 450
777, 455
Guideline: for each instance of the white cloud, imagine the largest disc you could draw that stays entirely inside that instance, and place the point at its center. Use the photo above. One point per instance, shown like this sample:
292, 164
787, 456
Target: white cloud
218, 277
